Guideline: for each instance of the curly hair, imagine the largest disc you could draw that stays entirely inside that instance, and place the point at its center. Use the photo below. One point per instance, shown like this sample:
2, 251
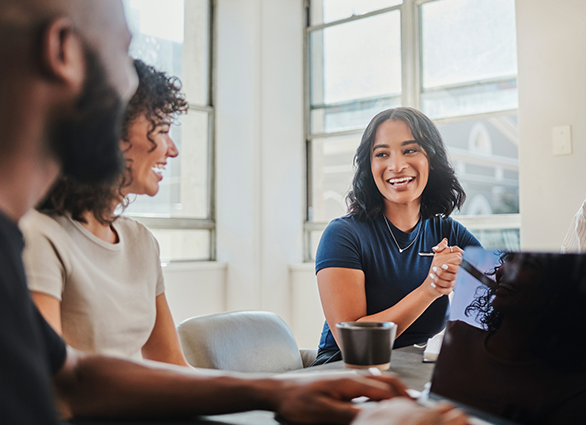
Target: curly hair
159, 98
555, 337
442, 194
485, 314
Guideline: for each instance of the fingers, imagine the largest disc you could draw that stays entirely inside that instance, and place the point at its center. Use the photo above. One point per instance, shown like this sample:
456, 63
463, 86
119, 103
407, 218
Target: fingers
396, 385
443, 270
455, 417
375, 387
328, 400
401, 411
441, 246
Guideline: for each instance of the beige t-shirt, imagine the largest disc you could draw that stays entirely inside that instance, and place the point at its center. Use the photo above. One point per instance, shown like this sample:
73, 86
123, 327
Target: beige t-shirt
107, 291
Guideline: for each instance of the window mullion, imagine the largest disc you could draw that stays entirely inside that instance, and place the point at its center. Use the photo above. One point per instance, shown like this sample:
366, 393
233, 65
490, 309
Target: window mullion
409, 55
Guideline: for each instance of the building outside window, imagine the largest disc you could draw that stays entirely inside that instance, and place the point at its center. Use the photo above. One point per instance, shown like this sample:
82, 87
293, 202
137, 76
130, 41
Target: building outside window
455, 60
175, 36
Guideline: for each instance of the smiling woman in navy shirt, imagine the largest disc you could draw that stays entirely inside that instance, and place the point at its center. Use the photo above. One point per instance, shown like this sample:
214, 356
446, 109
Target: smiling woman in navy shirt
368, 264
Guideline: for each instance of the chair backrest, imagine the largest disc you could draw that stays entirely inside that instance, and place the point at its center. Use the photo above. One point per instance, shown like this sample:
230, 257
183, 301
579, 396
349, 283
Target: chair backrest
241, 341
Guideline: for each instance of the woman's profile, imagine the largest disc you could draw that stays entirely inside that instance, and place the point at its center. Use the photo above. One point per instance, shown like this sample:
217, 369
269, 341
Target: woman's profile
95, 276
369, 263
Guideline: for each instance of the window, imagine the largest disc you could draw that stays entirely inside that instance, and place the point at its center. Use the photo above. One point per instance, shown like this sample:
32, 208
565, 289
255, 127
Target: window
175, 37
453, 59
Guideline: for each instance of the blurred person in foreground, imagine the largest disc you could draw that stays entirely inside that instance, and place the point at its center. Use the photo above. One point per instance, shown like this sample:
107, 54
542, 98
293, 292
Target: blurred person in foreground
65, 78
95, 276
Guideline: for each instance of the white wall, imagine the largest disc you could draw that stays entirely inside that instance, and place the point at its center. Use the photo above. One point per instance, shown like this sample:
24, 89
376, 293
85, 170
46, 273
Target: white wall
193, 289
307, 316
551, 37
259, 174
259, 149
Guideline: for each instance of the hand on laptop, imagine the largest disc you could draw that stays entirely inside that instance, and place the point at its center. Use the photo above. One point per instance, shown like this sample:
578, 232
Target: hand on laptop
403, 411
312, 399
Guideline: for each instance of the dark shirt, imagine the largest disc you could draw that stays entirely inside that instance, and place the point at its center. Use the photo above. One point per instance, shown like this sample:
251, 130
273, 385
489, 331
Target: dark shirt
389, 275
30, 351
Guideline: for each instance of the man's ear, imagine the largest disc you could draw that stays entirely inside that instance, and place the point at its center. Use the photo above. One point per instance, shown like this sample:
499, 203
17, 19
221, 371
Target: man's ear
62, 54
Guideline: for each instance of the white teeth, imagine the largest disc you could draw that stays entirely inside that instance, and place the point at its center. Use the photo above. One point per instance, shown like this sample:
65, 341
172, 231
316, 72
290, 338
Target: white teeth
401, 180
158, 168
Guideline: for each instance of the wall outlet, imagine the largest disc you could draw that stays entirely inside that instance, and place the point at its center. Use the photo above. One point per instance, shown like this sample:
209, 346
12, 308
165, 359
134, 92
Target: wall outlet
562, 140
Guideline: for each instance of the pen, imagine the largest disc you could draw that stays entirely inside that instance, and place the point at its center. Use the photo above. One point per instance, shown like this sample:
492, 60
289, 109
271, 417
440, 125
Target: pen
426, 254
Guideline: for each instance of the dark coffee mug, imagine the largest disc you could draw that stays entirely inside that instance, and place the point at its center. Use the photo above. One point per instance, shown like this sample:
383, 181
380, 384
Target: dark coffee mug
367, 344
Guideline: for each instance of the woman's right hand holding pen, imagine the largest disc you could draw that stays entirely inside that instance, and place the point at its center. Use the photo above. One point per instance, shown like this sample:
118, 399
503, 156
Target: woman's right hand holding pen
442, 273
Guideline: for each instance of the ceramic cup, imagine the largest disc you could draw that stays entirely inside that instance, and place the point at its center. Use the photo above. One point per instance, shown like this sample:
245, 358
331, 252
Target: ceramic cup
366, 344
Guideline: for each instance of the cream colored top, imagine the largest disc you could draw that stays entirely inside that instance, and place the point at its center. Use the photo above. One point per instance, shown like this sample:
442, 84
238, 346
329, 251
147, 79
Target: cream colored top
107, 291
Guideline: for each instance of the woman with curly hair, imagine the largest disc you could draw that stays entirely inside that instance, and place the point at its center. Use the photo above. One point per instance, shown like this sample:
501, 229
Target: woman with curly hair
368, 263
95, 276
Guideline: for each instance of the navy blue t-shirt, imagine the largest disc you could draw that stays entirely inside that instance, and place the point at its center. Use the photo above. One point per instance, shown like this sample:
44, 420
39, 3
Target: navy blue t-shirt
367, 245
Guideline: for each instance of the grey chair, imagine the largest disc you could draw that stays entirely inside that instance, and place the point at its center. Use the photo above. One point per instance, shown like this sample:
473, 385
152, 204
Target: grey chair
242, 341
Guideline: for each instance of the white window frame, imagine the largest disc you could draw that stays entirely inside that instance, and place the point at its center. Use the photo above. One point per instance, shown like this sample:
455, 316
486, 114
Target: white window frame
410, 96
156, 222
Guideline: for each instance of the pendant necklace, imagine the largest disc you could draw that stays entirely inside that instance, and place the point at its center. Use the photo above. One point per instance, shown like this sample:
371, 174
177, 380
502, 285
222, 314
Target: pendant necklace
395, 240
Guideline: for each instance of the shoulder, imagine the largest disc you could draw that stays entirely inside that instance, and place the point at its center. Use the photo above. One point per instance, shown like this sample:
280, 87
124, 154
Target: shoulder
350, 225
343, 243
35, 224
456, 232
350, 230
136, 233
133, 228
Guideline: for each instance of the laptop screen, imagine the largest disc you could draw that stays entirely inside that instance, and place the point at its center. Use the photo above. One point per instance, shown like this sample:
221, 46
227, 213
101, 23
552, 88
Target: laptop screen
515, 343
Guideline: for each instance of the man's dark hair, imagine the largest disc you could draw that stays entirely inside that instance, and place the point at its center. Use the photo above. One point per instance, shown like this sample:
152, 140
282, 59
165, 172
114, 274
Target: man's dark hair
159, 98
442, 194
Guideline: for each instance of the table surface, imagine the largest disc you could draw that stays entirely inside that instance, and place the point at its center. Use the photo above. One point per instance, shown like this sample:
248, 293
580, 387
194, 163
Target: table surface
405, 362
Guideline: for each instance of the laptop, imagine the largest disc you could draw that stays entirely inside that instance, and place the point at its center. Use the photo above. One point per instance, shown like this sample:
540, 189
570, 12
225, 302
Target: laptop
513, 350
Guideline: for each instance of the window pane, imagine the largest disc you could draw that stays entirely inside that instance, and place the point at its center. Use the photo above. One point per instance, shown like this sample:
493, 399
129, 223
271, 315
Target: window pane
332, 173
469, 60
184, 190
504, 239
314, 236
349, 116
323, 11
173, 36
354, 66
485, 156
181, 245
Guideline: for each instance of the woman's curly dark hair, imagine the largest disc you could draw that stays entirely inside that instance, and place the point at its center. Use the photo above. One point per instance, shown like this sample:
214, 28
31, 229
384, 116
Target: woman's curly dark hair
442, 194
481, 306
556, 337
159, 98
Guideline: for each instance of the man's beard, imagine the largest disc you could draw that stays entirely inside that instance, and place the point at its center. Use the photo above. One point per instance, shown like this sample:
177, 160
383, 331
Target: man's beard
87, 144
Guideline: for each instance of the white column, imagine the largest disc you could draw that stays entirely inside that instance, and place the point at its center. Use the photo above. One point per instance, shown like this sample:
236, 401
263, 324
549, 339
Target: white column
260, 149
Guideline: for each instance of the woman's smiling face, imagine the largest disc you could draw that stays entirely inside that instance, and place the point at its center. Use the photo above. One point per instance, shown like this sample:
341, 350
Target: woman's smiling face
399, 165
147, 160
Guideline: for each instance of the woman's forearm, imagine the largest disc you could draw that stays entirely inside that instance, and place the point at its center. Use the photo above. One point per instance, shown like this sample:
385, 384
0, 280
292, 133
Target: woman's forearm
406, 311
